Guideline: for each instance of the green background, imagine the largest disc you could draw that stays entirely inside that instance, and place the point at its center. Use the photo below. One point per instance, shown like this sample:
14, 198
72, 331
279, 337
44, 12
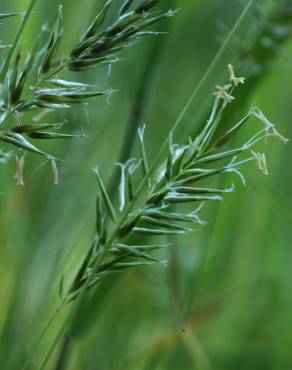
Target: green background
225, 301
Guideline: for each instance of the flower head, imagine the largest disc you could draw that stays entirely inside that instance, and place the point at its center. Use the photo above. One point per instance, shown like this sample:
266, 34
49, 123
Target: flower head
223, 92
235, 80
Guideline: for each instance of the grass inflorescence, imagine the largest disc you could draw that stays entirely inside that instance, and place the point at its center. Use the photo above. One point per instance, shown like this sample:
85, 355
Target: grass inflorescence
34, 84
176, 183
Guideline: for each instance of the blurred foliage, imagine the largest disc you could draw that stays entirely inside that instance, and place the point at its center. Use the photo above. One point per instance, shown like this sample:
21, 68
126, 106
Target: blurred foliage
225, 300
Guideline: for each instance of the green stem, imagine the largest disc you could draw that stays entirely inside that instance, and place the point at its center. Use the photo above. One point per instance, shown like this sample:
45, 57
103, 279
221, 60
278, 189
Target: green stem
16, 41
39, 340
130, 207
63, 356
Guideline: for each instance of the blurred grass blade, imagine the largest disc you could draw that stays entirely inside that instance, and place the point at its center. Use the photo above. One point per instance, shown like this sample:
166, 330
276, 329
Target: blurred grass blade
7, 62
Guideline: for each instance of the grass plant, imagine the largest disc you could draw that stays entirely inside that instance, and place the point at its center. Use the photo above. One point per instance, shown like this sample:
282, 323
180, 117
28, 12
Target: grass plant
158, 198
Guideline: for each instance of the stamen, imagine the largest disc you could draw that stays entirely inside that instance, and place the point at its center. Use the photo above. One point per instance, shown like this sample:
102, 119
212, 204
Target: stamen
19, 171
235, 80
261, 162
223, 93
55, 172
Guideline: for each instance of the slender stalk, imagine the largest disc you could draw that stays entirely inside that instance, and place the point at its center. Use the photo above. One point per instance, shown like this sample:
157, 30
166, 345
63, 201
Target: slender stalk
16, 41
63, 356
40, 338
130, 207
